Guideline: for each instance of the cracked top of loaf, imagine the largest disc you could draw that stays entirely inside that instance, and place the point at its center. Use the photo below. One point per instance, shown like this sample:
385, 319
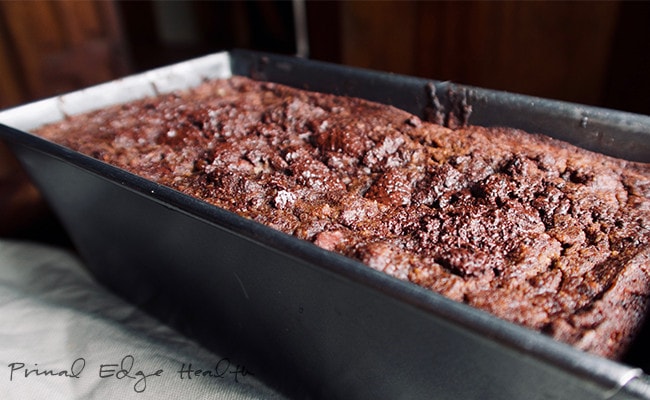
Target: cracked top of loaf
531, 229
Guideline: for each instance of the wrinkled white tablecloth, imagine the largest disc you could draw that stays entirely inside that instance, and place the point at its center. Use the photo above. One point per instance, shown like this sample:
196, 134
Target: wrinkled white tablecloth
63, 336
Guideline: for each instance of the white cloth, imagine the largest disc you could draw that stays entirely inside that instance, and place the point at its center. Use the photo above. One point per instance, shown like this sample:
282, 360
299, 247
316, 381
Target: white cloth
63, 336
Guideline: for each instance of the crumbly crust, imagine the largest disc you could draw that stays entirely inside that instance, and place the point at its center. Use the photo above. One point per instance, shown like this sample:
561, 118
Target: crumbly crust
531, 229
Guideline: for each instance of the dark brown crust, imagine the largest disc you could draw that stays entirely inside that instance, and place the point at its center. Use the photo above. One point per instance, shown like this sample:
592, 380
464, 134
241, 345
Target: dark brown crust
531, 229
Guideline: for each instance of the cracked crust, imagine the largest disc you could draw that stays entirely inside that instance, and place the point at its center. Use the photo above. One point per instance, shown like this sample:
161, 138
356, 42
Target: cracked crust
531, 229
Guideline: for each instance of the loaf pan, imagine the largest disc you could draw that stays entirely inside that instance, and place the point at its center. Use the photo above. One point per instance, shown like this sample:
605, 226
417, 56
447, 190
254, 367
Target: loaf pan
309, 322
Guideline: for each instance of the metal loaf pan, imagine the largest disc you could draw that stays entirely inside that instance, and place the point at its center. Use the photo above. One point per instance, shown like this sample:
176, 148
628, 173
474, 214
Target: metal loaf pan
309, 322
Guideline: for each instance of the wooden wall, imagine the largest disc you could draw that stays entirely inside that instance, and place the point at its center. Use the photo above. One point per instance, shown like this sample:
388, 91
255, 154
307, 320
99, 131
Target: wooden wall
552, 49
49, 47
587, 52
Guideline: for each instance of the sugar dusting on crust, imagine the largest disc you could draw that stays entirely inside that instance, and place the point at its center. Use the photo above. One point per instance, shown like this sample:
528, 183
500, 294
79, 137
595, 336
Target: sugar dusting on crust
531, 229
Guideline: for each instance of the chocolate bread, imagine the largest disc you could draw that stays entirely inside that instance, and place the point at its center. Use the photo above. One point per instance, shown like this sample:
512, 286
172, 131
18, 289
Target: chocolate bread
531, 229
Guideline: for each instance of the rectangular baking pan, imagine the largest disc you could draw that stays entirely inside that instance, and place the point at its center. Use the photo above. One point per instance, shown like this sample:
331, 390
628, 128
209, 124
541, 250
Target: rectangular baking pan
309, 322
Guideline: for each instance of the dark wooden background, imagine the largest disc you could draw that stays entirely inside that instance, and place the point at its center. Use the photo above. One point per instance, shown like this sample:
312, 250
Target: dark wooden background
588, 52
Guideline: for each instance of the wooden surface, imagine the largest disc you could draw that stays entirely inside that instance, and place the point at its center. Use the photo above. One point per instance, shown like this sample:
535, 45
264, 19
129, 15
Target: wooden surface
550, 49
591, 52
50, 47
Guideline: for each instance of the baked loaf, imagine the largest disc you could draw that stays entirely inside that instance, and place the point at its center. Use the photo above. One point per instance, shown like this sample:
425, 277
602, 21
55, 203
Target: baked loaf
531, 229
